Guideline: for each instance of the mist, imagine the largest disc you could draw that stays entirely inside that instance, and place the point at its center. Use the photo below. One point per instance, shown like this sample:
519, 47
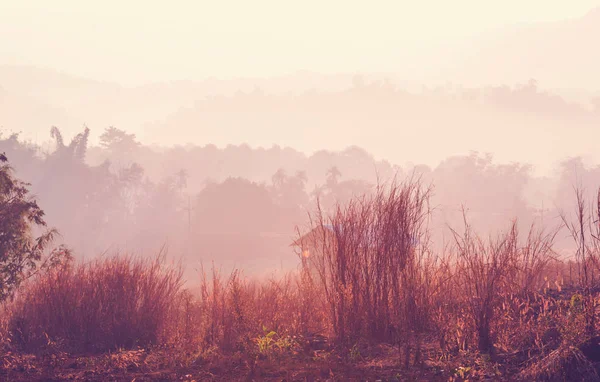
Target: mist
315, 190
216, 139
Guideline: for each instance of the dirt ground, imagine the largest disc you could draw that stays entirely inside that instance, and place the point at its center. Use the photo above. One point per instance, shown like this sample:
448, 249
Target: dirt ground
382, 364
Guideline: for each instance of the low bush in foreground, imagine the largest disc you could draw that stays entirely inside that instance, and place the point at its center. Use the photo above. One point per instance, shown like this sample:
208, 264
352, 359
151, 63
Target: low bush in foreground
107, 304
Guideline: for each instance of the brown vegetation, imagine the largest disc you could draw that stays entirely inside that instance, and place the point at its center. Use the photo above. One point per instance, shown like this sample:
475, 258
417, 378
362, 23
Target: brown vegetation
370, 299
108, 304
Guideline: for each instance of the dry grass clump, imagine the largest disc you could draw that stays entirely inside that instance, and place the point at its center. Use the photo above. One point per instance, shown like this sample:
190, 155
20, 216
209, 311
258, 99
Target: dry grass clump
381, 282
371, 259
237, 314
126, 303
497, 277
566, 363
119, 302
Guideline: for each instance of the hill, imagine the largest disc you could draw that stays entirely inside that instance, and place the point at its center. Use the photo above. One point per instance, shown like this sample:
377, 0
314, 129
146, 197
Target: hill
558, 54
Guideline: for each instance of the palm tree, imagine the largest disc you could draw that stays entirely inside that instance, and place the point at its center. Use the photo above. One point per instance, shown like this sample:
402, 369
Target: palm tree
76, 149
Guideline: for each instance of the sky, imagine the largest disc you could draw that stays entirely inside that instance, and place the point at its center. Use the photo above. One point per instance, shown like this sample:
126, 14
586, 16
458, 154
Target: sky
134, 42
419, 42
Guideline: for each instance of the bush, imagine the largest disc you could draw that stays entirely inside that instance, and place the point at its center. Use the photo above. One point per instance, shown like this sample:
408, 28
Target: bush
234, 313
119, 302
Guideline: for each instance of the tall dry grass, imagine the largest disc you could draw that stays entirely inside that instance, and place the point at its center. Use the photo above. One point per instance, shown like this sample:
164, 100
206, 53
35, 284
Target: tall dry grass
119, 302
372, 260
126, 302
382, 283
367, 275
488, 272
234, 311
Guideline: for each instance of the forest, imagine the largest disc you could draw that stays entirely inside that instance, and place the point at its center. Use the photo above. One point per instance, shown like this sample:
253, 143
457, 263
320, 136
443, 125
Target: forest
121, 259
123, 195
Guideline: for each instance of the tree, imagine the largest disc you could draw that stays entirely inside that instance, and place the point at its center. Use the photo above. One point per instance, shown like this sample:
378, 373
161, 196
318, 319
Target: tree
181, 179
339, 192
333, 176
76, 149
289, 191
235, 206
278, 179
118, 141
21, 254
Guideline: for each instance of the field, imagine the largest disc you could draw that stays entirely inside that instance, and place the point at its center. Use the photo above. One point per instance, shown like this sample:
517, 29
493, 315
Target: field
370, 300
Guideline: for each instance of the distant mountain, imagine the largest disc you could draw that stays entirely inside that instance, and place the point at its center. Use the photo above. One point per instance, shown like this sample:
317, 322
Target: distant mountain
561, 54
42, 82
396, 125
35, 98
311, 111
29, 115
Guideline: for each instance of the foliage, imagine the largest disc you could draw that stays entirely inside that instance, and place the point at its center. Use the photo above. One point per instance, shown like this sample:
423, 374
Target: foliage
370, 258
118, 141
118, 302
22, 254
369, 278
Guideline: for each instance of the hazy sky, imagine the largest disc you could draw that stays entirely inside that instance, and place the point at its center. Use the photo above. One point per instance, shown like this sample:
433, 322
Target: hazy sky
141, 41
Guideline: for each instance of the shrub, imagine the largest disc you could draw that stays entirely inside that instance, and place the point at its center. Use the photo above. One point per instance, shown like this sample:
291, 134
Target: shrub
119, 302
370, 258
235, 312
